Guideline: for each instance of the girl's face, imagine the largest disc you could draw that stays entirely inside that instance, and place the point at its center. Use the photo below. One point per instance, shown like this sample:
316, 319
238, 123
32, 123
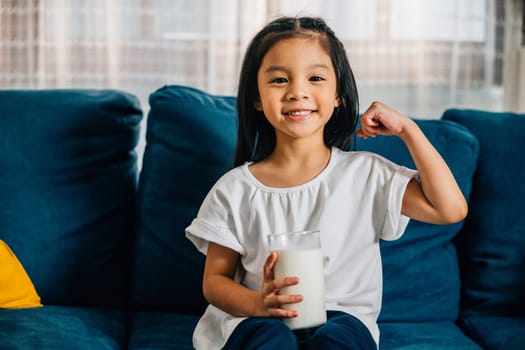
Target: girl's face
297, 88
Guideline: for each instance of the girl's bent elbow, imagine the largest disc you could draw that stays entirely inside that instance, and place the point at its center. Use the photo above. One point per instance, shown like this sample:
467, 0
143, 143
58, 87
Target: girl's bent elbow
459, 213
464, 213
206, 292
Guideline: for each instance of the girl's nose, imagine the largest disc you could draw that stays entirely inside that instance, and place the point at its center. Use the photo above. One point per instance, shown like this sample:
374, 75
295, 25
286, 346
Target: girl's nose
296, 92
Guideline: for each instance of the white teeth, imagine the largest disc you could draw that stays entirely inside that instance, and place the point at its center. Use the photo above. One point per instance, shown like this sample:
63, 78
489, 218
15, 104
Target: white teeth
299, 113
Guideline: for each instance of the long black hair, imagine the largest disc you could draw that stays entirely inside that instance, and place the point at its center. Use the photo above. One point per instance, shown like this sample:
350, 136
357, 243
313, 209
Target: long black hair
256, 136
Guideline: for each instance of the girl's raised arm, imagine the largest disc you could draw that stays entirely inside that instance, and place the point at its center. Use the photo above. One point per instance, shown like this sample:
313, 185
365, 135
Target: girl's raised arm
436, 198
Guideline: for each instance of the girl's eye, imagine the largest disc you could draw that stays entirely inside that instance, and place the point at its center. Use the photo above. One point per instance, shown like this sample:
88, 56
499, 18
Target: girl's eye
278, 81
316, 78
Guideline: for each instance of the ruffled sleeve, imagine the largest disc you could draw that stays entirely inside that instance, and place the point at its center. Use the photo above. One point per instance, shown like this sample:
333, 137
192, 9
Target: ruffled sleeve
201, 233
214, 221
395, 223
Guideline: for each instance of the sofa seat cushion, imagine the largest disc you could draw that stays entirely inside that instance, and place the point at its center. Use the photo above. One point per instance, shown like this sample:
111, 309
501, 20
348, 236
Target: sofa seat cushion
496, 333
62, 327
160, 330
491, 245
68, 176
428, 336
421, 280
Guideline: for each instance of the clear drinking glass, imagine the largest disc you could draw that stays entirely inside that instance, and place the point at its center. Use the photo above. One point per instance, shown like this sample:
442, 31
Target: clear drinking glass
299, 255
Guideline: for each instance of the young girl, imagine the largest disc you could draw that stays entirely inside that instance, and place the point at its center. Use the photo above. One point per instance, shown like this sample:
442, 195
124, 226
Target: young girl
297, 108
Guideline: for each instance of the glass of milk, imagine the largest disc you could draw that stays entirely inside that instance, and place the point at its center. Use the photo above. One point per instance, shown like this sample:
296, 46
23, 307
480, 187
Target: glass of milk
299, 255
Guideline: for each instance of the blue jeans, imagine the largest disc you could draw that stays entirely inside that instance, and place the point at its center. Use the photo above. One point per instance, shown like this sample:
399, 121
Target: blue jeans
341, 331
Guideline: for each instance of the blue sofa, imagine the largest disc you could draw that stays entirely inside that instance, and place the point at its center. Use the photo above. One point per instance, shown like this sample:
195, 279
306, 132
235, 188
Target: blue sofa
104, 243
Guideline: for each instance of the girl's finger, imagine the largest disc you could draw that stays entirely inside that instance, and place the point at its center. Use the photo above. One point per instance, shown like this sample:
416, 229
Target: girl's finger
282, 313
285, 282
277, 301
268, 266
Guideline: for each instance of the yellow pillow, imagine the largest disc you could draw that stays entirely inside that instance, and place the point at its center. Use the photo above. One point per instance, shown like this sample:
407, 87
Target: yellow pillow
16, 289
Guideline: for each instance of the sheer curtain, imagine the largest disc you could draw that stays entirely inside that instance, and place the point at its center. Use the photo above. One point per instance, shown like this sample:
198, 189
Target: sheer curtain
420, 56
514, 53
135, 45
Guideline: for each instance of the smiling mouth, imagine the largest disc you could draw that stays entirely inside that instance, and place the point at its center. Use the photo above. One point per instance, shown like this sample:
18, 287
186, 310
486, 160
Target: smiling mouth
299, 115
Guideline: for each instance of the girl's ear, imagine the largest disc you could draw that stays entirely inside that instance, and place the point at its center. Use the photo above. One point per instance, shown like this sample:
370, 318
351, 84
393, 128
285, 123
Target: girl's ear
257, 105
337, 101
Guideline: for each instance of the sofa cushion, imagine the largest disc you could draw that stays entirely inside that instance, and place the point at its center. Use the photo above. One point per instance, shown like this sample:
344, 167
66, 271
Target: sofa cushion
424, 335
492, 244
162, 330
68, 180
420, 270
496, 333
189, 144
62, 327
17, 290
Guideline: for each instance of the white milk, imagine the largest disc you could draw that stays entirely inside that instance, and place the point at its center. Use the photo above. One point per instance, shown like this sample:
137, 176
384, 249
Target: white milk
307, 265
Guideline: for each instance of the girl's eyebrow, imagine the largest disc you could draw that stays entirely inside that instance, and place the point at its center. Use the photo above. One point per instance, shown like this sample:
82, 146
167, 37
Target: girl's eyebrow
275, 68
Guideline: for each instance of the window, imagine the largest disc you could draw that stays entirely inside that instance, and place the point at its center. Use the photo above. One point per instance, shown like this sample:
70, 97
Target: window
420, 56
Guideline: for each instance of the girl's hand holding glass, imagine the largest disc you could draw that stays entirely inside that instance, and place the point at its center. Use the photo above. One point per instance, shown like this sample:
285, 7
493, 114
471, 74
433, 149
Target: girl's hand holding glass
271, 300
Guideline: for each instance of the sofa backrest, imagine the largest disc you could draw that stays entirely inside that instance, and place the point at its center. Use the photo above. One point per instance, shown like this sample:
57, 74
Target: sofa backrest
491, 246
191, 137
67, 187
